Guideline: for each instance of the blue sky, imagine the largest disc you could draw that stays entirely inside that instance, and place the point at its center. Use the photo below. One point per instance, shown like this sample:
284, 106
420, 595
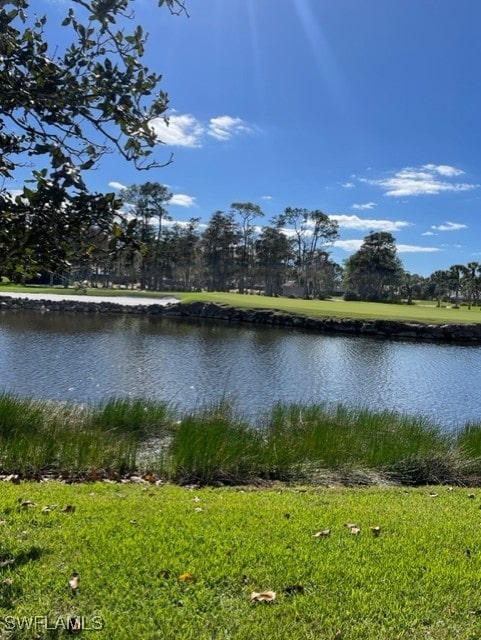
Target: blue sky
369, 110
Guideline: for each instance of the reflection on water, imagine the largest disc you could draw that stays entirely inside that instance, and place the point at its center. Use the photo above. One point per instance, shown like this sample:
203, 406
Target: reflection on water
85, 358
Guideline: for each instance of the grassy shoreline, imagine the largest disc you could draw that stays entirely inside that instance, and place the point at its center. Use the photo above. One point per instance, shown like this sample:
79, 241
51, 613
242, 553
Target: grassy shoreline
420, 312
217, 445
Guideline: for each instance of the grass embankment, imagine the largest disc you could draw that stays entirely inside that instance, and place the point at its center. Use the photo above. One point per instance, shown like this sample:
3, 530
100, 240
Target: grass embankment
157, 562
217, 445
420, 311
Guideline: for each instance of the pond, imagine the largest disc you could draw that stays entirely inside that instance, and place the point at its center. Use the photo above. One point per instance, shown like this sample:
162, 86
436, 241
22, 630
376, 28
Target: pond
87, 358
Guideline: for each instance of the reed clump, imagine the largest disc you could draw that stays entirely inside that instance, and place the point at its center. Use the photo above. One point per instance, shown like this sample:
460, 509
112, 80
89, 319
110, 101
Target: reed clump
217, 444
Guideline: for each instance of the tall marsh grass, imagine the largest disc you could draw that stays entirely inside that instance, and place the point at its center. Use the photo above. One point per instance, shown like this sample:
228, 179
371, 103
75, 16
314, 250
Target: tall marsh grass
217, 444
325, 437
38, 436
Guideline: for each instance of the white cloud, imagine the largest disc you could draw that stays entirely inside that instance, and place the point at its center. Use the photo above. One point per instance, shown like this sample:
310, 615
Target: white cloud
187, 131
181, 130
449, 226
183, 224
224, 127
409, 248
355, 245
443, 170
117, 185
355, 222
426, 180
348, 185
182, 200
367, 205
13, 193
266, 198
348, 245
429, 233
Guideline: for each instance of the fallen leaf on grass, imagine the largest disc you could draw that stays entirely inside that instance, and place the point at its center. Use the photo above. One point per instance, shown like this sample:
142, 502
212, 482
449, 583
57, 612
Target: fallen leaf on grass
354, 531
322, 534
187, 577
376, 531
433, 495
6, 563
7, 582
350, 525
149, 478
196, 499
263, 596
471, 496
26, 503
198, 509
74, 581
49, 508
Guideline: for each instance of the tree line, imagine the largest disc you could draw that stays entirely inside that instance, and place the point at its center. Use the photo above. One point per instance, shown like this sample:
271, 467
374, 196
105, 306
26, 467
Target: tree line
141, 247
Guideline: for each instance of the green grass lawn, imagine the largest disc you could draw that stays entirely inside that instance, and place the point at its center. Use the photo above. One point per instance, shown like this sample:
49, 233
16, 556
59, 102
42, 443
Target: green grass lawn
164, 562
421, 311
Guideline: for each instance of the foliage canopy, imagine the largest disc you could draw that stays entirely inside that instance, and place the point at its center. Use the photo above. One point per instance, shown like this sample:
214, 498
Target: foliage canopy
62, 110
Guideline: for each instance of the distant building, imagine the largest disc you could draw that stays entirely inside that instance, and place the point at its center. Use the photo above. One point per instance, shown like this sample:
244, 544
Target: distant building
291, 288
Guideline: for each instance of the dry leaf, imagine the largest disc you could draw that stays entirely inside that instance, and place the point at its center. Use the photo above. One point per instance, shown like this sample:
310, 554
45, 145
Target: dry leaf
196, 499
49, 508
149, 478
322, 534
187, 577
376, 531
6, 563
74, 581
7, 582
27, 503
471, 496
433, 495
350, 525
198, 509
263, 596
354, 531
133, 522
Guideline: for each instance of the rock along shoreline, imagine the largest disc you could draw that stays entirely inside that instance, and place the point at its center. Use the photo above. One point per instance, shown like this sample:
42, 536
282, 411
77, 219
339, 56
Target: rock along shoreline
455, 333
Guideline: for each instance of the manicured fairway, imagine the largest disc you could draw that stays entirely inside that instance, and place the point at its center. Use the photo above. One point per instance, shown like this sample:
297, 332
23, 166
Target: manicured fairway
165, 562
421, 311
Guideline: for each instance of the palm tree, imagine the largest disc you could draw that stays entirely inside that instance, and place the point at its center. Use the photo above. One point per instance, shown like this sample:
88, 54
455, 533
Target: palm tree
471, 282
456, 273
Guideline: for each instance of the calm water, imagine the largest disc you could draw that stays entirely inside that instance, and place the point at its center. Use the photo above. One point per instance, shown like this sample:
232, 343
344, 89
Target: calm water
85, 358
